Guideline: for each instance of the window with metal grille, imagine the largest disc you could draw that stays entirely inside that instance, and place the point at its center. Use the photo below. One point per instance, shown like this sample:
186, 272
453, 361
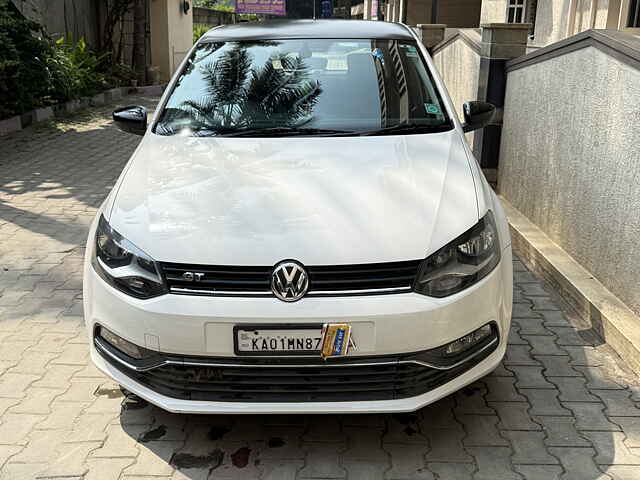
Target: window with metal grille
516, 11
634, 14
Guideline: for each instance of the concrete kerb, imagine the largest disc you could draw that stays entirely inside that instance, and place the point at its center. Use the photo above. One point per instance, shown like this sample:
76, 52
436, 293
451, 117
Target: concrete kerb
616, 323
17, 123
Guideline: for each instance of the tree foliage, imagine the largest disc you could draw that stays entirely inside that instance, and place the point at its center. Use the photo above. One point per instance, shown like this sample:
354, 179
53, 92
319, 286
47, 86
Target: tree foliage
24, 78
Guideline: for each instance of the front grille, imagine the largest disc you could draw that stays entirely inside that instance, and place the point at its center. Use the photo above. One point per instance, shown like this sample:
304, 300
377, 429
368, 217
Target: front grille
359, 279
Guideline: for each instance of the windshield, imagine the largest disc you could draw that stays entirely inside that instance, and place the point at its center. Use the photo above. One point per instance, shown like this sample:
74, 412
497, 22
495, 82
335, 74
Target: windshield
306, 86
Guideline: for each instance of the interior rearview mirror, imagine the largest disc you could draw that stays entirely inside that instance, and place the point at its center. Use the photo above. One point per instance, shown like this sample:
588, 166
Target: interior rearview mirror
131, 119
477, 115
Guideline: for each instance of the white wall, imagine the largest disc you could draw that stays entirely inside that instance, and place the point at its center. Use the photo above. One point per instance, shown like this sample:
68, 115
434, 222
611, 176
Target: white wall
459, 67
570, 160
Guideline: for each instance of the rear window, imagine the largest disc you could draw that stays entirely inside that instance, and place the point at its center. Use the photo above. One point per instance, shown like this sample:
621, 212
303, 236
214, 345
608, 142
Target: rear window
314, 86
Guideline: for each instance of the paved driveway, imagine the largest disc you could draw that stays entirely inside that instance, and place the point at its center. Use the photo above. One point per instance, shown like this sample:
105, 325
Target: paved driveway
561, 406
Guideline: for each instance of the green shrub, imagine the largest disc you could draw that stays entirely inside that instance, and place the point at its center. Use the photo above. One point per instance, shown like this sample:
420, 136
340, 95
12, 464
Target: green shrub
199, 29
24, 79
74, 70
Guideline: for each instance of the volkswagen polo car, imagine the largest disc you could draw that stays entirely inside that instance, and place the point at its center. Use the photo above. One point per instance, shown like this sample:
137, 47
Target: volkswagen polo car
302, 228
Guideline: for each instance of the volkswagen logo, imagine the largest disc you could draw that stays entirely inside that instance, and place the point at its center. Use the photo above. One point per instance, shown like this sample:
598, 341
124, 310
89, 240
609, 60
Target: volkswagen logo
289, 281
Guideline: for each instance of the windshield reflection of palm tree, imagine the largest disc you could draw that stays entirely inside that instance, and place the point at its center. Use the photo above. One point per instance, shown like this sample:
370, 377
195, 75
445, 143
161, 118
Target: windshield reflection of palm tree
278, 94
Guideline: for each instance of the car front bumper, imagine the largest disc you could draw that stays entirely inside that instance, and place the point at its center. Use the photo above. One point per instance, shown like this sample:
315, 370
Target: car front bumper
385, 325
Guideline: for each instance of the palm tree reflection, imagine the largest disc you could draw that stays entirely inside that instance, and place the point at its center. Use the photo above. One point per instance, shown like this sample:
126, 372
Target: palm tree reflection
237, 94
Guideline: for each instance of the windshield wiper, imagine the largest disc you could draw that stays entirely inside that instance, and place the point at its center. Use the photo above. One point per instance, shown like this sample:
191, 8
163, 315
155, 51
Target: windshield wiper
280, 132
408, 128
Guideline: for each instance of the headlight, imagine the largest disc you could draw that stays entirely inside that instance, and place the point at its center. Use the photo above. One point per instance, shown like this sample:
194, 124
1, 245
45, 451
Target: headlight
461, 263
123, 265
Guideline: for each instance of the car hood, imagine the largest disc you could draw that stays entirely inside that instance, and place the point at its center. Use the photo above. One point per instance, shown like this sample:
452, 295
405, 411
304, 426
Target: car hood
318, 200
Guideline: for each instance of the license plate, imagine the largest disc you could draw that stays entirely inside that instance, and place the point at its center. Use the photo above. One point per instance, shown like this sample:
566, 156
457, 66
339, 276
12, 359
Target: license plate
280, 340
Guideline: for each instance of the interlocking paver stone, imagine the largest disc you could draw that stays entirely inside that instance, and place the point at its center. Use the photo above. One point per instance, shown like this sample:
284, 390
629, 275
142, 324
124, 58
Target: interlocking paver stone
482, 431
446, 446
494, 463
618, 403
573, 389
544, 402
590, 416
562, 432
539, 472
514, 416
557, 366
502, 389
529, 448
578, 463
556, 396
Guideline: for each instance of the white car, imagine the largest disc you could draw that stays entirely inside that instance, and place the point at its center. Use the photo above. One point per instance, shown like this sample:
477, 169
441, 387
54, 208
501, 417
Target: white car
303, 229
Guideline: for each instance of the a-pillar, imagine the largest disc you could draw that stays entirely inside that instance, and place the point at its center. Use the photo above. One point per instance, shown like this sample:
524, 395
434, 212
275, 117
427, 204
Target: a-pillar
500, 43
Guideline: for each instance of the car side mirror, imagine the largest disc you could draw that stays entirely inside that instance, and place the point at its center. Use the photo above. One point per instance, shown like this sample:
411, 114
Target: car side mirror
477, 115
131, 119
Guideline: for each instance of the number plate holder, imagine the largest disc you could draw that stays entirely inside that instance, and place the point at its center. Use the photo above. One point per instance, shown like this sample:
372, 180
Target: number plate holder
240, 342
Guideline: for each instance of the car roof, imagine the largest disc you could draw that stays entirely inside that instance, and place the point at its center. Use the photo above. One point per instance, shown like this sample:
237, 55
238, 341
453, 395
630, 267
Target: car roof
286, 29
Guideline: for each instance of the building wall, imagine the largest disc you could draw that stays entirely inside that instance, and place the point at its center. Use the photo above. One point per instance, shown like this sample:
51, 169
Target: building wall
570, 160
206, 16
459, 13
418, 11
76, 18
452, 13
493, 11
171, 35
459, 67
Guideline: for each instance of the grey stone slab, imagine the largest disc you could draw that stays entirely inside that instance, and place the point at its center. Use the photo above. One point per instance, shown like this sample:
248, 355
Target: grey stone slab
557, 366
544, 345
533, 289
530, 377
573, 389
543, 303
618, 403
452, 471
10, 125
611, 449
570, 336
519, 355
446, 446
524, 310
42, 114
529, 448
514, 336
545, 402
493, 463
472, 399
532, 326
562, 432
631, 428
514, 416
555, 318
482, 431
501, 371
578, 463
438, 415
539, 472
590, 416
407, 463
520, 277
599, 378
502, 389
